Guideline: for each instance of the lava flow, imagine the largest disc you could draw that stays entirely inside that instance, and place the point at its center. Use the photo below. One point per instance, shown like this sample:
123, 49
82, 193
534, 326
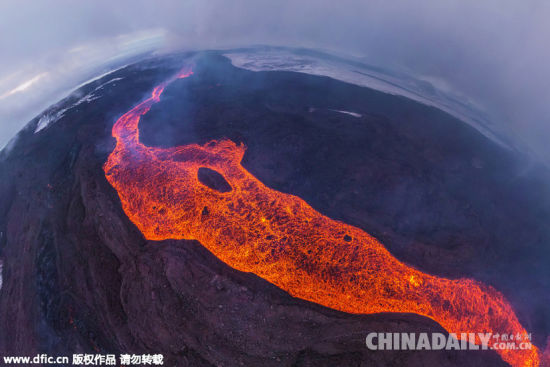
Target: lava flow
282, 239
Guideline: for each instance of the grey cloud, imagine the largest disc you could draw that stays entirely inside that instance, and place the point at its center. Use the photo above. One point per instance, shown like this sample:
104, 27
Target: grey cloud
492, 52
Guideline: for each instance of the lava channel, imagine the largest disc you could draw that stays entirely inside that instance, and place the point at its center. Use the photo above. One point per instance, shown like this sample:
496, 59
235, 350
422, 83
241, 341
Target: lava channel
282, 239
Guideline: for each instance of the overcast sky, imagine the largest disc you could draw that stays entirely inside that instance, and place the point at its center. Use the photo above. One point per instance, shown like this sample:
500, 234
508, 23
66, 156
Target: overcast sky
495, 52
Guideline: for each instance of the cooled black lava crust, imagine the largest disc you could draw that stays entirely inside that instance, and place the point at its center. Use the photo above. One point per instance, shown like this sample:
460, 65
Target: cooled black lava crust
79, 277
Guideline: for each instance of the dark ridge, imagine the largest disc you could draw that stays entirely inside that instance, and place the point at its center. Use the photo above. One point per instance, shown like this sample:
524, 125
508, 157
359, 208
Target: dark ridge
213, 179
46, 276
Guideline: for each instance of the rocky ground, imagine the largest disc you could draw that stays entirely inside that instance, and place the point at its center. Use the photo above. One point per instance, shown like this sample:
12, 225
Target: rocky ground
79, 277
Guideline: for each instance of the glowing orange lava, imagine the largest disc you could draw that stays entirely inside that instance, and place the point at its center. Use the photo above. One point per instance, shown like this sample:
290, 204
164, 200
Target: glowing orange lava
282, 239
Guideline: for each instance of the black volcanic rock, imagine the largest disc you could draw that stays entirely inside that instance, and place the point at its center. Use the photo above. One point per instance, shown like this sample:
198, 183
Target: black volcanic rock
437, 193
79, 277
213, 179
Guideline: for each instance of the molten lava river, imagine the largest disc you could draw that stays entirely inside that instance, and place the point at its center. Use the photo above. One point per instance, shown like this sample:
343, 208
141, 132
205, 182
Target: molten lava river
282, 239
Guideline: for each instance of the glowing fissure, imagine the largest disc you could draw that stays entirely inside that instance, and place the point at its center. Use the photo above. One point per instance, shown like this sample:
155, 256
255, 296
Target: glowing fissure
282, 239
